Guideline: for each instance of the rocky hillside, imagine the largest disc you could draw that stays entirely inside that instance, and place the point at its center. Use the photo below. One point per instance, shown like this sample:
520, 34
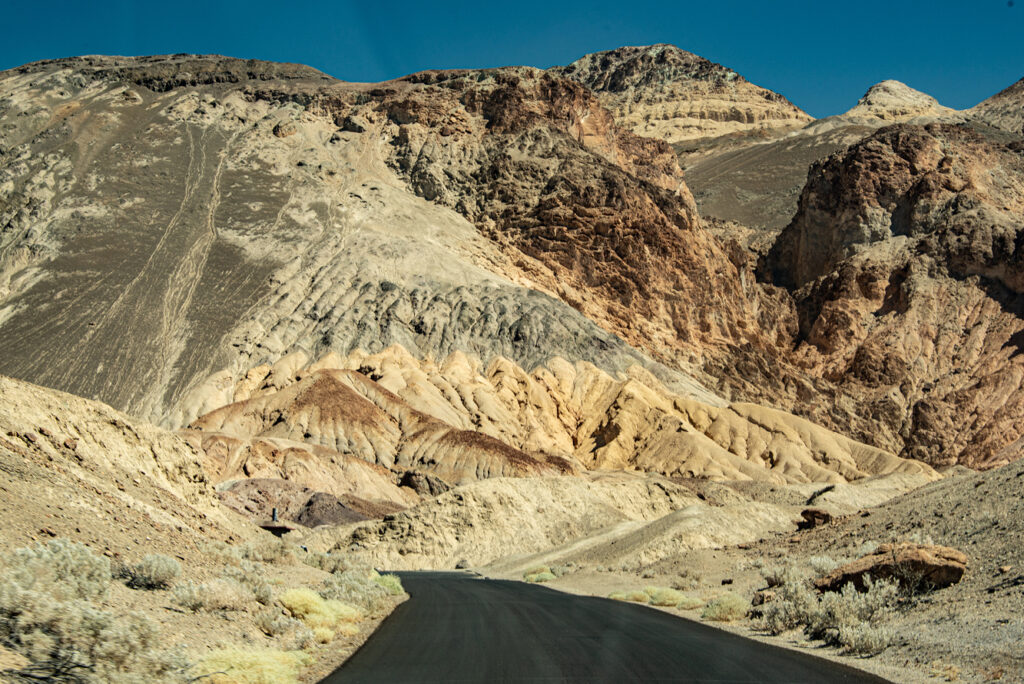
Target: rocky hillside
757, 182
904, 262
236, 211
1004, 110
506, 214
894, 102
663, 92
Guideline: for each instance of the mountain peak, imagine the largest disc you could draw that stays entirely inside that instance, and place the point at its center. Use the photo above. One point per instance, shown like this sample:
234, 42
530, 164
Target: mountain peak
665, 92
893, 100
635, 66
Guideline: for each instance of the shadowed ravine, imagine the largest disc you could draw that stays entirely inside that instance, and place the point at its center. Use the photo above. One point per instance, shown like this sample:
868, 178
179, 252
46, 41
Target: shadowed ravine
457, 628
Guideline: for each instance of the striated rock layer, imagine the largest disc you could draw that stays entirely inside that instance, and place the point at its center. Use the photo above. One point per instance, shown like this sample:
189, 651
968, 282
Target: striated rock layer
666, 93
461, 421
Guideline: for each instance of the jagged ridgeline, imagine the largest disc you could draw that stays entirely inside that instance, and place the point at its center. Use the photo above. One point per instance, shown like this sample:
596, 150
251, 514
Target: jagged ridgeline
170, 223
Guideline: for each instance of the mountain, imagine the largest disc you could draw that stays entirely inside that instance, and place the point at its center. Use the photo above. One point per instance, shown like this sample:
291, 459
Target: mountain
757, 182
663, 92
905, 264
241, 213
167, 217
1004, 110
893, 101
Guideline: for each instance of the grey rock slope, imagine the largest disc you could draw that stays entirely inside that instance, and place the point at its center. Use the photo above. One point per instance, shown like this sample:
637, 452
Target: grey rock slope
162, 218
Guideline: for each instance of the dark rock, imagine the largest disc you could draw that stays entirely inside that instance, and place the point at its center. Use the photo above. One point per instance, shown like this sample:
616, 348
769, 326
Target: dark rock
424, 484
813, 517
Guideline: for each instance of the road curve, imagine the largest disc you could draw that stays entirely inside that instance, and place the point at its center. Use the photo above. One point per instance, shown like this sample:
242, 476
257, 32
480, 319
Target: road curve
458, 628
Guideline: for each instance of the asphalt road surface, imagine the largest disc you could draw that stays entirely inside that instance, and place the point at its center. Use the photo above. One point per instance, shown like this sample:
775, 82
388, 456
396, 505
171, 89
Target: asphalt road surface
457, 628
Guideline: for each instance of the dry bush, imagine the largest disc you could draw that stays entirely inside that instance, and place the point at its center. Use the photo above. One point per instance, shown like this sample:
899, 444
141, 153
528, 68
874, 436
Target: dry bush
726, 608
316, 611
631, 596
334, 562
47, 616
323, 635
822, 565
358, 587
774, 575
847, 618
272, 550
865, 549
795, 601
863, 639
663, 596
218, 594
265, 666
61, 568
689, 603
155, 571
251, 576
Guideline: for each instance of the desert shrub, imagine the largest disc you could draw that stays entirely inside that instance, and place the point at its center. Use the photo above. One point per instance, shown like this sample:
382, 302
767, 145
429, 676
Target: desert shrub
837, 612
60, 568
264, 666
863, 639
773, 575
335, 562
358, 588
47, 617
391, 584
822, 565
323, 635
155, 571
725, 608
632, 596
218, 594
315, 611
538, 577
865, 549
663, 596
250, 576
796, 600
847, 618
689, 603
272, 550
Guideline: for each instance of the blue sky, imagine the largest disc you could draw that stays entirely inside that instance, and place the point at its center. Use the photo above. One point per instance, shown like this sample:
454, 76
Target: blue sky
822, 56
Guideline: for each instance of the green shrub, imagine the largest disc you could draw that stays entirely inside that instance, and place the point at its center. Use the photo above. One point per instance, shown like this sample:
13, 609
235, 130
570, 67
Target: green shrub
663, 596
726, 608
538, 577
391, 583
632, 596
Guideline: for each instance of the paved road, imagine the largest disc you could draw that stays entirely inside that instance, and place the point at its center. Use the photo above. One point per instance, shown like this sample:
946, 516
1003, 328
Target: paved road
457, 628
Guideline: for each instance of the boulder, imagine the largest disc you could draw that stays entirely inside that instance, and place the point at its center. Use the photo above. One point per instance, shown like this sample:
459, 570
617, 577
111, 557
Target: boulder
813, 517
914, 566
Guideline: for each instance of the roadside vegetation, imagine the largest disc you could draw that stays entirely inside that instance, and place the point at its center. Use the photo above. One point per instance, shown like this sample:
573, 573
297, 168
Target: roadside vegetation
58, 623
